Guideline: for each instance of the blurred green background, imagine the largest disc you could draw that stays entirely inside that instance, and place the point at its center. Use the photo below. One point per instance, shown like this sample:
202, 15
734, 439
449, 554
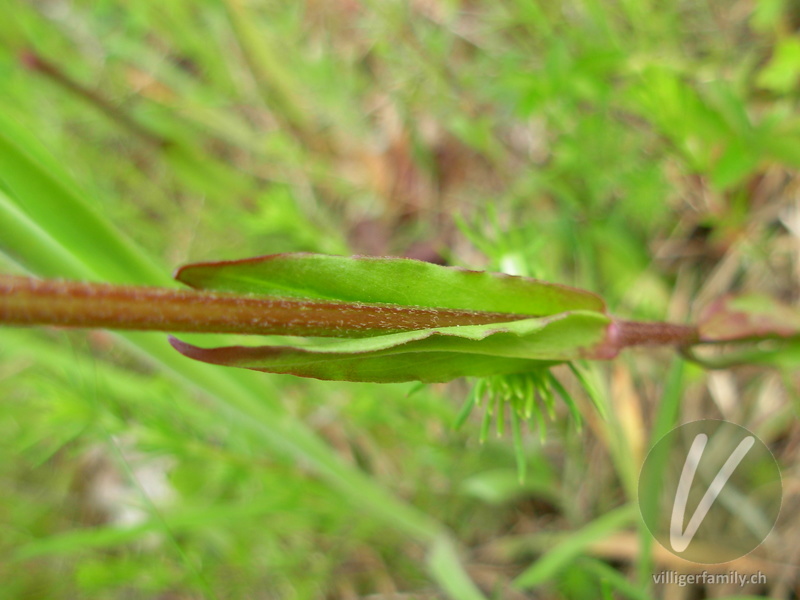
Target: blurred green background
648, 151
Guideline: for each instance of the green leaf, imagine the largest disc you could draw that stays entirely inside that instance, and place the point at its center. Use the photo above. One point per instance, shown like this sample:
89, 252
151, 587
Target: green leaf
388, 280
430, 355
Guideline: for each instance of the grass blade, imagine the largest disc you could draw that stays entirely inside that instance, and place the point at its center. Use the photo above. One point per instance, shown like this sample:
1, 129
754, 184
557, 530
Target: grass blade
564, 553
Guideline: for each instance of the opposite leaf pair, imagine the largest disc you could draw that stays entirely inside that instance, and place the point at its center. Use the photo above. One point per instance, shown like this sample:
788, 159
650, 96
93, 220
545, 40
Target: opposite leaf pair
519, 324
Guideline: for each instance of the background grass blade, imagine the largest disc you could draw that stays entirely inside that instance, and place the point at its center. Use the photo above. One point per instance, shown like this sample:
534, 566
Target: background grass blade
241, 399
564, 553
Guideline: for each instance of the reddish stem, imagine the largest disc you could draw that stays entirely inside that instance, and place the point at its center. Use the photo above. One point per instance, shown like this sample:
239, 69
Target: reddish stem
622, 334
27, 301
638, 333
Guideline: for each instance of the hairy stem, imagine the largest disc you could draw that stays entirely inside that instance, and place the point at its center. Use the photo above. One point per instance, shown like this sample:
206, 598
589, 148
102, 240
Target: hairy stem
26, 301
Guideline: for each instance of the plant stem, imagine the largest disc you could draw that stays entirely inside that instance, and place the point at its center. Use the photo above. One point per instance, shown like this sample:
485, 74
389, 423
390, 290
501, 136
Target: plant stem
621, 334
27, 301
639, 333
